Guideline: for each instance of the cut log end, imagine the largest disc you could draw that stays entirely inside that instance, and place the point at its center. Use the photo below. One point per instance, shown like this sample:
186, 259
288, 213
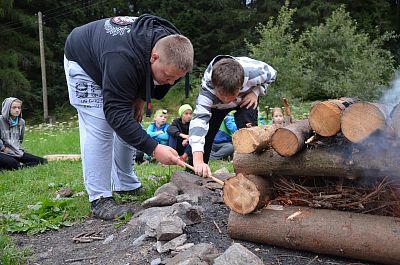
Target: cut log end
360, 120
325, 118
245, 141
246, 194
254, 139
289, 146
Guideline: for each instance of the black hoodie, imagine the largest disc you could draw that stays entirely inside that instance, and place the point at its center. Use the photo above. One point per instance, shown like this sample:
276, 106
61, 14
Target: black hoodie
115, 53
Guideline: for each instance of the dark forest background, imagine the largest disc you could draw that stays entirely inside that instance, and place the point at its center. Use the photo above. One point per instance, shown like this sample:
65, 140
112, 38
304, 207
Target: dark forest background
321, 49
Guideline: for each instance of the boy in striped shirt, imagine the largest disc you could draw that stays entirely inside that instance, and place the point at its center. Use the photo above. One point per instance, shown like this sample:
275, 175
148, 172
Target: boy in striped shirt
229, 83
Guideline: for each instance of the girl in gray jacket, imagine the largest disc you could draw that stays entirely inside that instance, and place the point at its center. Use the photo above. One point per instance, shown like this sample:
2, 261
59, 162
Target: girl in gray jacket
12, 128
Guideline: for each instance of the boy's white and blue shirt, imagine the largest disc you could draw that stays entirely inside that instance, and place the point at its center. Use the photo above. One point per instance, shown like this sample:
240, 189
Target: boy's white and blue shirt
257, 76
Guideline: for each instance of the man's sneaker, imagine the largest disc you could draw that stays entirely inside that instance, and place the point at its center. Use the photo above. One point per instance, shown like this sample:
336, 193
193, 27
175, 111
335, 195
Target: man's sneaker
135, 192
107, 209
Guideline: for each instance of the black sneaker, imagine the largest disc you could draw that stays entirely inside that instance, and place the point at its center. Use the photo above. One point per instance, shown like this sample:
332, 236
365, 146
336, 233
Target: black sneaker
107, 209
136, 192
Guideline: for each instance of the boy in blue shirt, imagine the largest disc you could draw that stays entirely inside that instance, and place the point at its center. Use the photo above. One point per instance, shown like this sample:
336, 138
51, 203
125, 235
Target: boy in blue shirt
158, 129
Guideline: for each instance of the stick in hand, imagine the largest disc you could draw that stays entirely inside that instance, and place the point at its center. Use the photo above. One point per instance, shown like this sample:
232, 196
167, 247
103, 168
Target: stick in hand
211, 177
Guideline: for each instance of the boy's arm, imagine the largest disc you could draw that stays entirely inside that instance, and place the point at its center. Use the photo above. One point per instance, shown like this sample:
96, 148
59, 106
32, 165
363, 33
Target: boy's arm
199, 126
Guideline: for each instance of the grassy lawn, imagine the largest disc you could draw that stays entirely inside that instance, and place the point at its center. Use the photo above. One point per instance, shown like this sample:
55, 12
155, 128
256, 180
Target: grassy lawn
28, 201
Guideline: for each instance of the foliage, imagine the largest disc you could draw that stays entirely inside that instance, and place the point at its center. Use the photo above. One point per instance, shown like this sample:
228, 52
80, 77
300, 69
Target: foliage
222, 30
10, 254
327, 61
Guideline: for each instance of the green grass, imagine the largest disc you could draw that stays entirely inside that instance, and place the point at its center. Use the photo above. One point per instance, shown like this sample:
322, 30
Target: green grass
10, 254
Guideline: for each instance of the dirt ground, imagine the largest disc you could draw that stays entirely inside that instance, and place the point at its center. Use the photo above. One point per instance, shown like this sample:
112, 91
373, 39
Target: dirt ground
58, 247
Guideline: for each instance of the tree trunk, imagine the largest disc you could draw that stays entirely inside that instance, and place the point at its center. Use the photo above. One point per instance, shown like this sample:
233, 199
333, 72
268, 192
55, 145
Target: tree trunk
253, 139
245, 194
347, 160
290, 139
362, 119
395, 119
325, 116
360, 236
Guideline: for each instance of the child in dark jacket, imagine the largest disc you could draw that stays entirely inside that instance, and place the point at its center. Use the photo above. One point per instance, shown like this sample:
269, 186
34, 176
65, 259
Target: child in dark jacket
179, 132
12, 129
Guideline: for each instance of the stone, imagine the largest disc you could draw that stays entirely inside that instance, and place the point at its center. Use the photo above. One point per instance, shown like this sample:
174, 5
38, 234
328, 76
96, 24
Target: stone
237, 254
161, 199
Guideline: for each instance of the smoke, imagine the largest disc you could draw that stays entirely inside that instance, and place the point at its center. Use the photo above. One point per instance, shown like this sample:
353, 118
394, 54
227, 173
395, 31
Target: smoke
392, 95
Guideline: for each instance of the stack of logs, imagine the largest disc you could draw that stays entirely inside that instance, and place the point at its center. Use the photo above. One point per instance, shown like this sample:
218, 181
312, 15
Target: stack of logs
342, 140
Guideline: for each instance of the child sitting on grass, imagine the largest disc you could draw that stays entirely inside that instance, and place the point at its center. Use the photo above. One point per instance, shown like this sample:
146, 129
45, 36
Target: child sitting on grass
12, 129
179, 132
158, 129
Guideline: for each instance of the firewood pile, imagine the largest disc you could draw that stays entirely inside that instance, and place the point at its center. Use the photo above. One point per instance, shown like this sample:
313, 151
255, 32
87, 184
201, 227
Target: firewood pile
343, 162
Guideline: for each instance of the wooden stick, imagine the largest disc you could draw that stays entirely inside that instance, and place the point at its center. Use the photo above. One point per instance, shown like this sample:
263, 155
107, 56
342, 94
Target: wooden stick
219, 230
80, 259
288, 112
211, 177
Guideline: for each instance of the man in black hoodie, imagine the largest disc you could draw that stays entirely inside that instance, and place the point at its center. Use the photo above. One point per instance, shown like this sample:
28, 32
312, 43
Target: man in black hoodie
113, 67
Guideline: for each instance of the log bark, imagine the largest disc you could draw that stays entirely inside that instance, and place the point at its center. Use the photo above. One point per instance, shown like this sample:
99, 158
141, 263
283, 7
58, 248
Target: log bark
290, 139
395, 119
62, 157
325, 116
362, 119
345, 160
245, 194
360, 236
254, 139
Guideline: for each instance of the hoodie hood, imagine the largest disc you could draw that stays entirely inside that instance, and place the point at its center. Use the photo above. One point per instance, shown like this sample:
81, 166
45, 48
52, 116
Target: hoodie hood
6, 106
151, 29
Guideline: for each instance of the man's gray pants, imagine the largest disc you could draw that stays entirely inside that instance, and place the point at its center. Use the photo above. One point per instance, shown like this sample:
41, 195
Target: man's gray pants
106, 158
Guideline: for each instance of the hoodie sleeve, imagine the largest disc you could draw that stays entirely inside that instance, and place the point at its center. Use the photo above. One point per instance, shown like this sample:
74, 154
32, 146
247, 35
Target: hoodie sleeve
173, 129
122, 81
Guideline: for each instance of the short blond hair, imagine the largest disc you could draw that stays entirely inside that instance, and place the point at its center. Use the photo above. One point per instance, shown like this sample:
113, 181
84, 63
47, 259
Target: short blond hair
176, 50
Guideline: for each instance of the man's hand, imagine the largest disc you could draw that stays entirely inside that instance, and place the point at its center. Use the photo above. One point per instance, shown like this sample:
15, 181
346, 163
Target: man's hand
200, 168
250, 100
167, 156
185, 142
138, 108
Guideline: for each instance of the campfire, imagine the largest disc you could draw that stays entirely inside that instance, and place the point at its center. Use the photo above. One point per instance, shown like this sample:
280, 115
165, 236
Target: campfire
328, 184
